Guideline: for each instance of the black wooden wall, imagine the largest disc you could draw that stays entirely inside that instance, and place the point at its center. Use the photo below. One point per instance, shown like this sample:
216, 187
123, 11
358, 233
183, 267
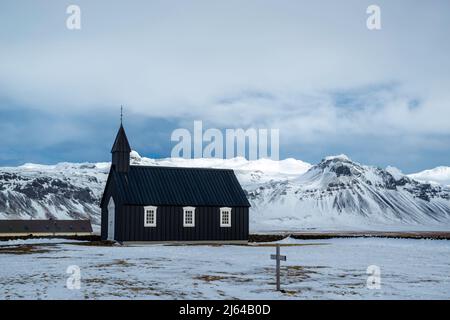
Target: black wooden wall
169, 225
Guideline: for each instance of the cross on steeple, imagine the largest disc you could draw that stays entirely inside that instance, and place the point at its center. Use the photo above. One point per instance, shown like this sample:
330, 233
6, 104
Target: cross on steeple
121, 114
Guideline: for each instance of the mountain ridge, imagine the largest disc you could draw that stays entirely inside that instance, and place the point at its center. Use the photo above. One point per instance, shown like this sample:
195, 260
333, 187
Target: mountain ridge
287, 195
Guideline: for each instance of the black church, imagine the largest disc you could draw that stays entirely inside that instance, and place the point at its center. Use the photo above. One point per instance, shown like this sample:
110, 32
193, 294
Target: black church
171, 204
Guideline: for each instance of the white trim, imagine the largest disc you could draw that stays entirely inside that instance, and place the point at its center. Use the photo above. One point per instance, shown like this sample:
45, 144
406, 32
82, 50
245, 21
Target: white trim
186, 209
149, 210
222, 211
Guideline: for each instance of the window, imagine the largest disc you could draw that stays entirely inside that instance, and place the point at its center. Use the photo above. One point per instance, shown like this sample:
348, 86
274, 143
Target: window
225, 217
188, 217
150, 216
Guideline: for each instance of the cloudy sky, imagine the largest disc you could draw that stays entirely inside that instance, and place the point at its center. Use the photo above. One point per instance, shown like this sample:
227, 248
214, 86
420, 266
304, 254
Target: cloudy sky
310, 68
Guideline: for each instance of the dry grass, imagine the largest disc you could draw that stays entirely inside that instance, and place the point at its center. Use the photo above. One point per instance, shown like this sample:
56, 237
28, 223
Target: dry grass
296, 274
211, 278
115, 263
286, 244
22, 249
94, 243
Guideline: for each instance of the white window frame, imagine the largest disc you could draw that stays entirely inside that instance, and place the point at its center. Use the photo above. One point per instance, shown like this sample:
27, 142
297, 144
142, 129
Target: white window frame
148, 208
222, 211
189, 225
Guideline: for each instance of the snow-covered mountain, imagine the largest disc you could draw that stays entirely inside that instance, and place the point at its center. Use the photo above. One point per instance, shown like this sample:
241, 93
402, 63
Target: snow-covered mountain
285, 195
438, 175
339, 193
62, 191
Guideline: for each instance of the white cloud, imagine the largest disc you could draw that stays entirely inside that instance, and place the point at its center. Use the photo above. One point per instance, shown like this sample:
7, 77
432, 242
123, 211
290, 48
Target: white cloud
186, 59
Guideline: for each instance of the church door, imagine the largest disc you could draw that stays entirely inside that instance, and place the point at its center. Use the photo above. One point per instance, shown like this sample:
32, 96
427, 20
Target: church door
111, 218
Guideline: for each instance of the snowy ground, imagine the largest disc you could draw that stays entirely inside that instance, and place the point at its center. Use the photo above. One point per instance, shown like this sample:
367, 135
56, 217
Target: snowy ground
322, 269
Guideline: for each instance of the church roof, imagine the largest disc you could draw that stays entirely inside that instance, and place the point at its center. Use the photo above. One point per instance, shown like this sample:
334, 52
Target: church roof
121, 143
157, 185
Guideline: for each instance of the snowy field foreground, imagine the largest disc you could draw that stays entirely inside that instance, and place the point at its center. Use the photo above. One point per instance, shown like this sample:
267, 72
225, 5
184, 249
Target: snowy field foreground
315, 269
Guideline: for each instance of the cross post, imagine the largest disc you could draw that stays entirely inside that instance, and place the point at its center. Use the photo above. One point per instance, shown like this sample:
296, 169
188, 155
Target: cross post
278, 257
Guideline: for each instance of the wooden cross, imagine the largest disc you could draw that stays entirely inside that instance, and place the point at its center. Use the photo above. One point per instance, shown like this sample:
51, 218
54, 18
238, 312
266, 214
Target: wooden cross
278, 258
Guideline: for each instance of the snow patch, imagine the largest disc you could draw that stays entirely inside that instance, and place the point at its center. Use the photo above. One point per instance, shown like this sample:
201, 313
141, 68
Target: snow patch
395, 172
342, 157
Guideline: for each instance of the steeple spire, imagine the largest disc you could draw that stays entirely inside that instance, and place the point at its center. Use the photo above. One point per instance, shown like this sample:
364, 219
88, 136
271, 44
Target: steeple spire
121, 143
121, 149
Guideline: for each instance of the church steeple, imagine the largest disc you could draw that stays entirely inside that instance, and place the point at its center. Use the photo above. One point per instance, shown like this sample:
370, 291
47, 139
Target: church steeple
121, 150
